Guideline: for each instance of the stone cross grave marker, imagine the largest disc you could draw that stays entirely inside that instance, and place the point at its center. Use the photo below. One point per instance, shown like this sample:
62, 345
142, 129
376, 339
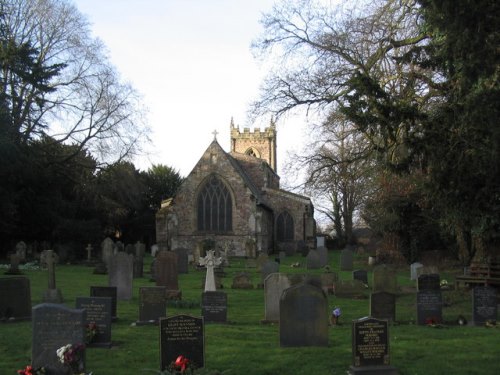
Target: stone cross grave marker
15, 298
346, 260
214, 307
152, 304
99, 313
484, 304
121, 270
89, 252
52, 294
106, 291
274, 285
429, 307
383, 306
210, 261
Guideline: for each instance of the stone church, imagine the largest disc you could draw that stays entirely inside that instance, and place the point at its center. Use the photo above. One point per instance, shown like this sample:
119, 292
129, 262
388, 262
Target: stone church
232, 201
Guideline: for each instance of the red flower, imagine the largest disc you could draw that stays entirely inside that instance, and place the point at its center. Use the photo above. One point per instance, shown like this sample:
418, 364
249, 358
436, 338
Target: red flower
181, 362
27, 371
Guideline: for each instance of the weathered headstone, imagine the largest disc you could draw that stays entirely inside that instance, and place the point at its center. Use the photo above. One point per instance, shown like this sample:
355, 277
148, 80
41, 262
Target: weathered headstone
109, 292
360, 275
182, 335
242, 280
350, 289
346, 260
52, 294
370, 347
267, 269
140, 249
303, 316
274, 285
138, 267
55, 326
15, 298
89, 249
302, 248
121, 268
210, 261
107, 250
99, 313
21, 250
182, 260
262, 259
429, 307
214, 306
384, 279
313, 261
484, 304
413, 270
166, 273
383, 306
250, 249
428, 282
323, 255
154, 250
152, 304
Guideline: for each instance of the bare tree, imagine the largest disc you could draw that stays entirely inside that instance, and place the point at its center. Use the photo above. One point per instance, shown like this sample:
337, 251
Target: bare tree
83, 102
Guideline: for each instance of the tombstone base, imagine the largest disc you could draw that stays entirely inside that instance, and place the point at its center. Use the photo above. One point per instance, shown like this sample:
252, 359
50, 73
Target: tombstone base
52, 296
373, 370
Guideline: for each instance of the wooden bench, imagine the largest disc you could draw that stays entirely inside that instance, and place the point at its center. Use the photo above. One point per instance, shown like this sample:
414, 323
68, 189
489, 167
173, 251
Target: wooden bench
480, 274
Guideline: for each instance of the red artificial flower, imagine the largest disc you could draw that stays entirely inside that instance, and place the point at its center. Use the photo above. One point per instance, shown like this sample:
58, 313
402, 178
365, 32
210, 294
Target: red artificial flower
27, 371
181, 362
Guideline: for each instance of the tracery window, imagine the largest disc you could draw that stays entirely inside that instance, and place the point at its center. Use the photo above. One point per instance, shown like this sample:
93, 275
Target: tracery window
284, 227
214, 207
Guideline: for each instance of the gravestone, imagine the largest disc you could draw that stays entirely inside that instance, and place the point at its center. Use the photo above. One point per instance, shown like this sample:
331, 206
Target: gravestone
152, 270
14, 265
152, 304
428, 282
55, 326
262, 259
429, 307
250, 251
328, 280
214, 307
323, 255
107, 250
346, 260
484, 304
360, 275
21, 250
370, 347
98, 312
154, 250
140, 249
267, 269
106, 291
282, 256
242, 280
383, 306
384, 279
89, 249
121, 269
166, 273
313, 261
15, 298
182, 260
289, 248
130, 249
182, 335
52, 294
210, 261
274, 285
413, 270
119, 247
43, 258
138, 270
302, 248
303, 316
350, 289
320, 241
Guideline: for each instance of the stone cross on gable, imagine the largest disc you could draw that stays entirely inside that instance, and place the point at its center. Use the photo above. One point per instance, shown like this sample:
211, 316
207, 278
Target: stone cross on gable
210, 261
215, 132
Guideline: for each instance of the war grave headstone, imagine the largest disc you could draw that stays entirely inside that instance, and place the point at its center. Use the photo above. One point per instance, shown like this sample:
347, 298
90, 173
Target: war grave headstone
121, 274
210, 262
106, 291
328, 280
323, 255
267, 269
152, 304
138, 270
182, 335
484, 304
428, 282
350, 289
52, 294
346, 260
15, 298
370, 347
14, 265
360, 275
55, 326
384, 279
313, 261
303, 316
214, 307
274, 285
166, 273
242, 280
429, 307
182, 260
99, 313
413, 270
383, 306
262, 259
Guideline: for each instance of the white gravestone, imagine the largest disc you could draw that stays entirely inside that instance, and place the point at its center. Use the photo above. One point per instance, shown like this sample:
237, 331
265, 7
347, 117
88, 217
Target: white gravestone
210, 261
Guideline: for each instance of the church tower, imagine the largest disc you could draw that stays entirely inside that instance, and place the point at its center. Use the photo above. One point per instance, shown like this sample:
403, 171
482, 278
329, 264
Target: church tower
261, 144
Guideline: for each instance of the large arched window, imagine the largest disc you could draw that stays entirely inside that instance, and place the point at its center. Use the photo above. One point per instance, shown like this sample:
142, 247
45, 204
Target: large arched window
284, 227
214, 207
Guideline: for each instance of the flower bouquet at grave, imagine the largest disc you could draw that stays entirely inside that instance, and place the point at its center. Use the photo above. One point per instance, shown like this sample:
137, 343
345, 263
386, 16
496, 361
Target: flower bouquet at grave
71, 356
31, 371
335, 316
181, 365
91, 331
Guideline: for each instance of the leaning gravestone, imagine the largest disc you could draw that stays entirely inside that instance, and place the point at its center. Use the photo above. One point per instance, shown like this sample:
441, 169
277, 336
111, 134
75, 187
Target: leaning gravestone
370, 348
15, 298
360, 275
303, 316
214, 307
99, 313
274, 285
182, 260
428, 282
383, 306
152, 304
484, 304
384, 279
313, 261
121, 269
414, 269
55, 326
182, 335
429, 307
106, 291
166, 273
346, 260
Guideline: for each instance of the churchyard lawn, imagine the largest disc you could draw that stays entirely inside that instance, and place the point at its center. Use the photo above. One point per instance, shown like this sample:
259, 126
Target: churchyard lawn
245, 346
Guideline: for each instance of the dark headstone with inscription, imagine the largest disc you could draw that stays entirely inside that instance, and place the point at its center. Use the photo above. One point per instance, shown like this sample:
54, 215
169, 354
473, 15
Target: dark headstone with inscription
214, 307
15, 298
106, 291
429, 307
98, 313
383, 306
55, 326
360, 275
370, 347
428, 282
484, 304
138, 267
166, 271
152, 304
182, 335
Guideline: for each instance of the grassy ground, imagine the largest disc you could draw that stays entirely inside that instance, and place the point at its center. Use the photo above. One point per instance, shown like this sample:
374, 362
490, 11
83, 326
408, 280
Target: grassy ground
244, 346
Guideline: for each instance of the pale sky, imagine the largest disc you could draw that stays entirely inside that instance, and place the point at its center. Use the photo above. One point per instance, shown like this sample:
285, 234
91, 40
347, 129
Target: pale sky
191, 62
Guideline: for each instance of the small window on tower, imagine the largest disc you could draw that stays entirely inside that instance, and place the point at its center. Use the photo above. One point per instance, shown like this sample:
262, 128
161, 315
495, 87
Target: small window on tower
251, 152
